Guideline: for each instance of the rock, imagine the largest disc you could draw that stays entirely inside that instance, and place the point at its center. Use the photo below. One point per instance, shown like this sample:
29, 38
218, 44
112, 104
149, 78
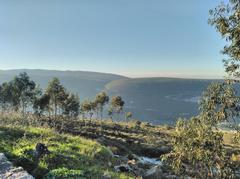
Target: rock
154, 173
7, 171
123, 159
41, 150
5, 165
122, 168
153, 152
165, 149
132, 157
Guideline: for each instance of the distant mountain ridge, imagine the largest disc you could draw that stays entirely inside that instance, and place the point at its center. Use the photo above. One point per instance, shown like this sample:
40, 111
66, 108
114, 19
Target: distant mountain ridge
158, 100
86, 84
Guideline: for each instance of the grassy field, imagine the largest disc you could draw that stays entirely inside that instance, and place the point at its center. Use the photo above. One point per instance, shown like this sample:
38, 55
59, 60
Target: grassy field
70, 156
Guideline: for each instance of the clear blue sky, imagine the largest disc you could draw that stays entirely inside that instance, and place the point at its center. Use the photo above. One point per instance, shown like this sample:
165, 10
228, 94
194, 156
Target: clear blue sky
129, 37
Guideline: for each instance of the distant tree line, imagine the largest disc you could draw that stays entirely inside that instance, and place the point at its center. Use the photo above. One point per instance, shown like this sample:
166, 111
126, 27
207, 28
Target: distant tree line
22, 94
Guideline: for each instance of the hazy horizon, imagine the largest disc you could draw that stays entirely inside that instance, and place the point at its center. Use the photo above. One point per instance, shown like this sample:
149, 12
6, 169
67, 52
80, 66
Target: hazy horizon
160, 76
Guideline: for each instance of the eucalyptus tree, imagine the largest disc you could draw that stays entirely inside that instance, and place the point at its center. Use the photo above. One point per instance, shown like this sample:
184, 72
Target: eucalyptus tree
87, 108
5, 96
23, 91
117, 104
57, 94
225, 18
101, 100
72, 105
41, 104
197, 145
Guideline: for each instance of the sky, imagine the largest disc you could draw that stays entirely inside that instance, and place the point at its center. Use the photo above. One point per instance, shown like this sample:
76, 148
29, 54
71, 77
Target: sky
135, 38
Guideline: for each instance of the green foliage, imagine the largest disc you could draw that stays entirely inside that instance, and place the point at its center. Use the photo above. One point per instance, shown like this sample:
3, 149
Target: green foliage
101, 99
88, 108
57, 94
219, 103
198, 145
225, 18
198, 150
117, 104
41, 104
62, 173
6, 97
23, 90
71, 105
19, 93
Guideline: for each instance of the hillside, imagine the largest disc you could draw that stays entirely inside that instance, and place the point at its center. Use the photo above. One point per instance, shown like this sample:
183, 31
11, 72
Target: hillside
159, 100
86, 148
68, 156
86, 84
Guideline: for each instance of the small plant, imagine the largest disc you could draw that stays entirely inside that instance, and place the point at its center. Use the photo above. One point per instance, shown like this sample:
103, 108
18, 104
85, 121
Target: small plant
62, 173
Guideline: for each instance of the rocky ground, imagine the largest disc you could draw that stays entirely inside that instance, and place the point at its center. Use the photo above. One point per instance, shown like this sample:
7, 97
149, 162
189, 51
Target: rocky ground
8, 171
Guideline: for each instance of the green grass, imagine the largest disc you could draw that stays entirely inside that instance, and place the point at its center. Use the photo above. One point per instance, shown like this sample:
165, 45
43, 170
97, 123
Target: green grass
122, 138
70, 157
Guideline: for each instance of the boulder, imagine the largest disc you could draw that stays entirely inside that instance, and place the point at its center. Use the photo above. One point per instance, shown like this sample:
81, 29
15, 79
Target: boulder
5, 165
41, 150
154, 173
7, 171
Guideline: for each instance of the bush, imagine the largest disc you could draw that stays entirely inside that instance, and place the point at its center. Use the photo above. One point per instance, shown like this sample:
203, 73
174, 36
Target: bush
198, 150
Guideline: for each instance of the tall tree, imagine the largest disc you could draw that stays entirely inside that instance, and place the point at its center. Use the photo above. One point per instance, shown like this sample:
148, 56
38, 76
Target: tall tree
117, 104
23, 91
225, 18
72, 105
57, 94
197, 142
101, 100
5, 96
41, 104
87, 107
